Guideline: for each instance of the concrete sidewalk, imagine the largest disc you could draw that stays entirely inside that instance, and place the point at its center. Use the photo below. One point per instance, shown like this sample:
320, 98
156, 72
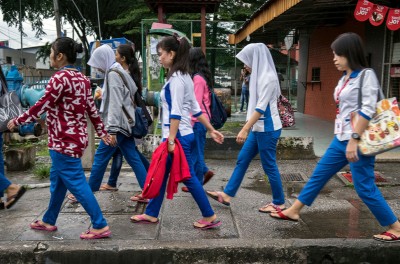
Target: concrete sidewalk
336, 229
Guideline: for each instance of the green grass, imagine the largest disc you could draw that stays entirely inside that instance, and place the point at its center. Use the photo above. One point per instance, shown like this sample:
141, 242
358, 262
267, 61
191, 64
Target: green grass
41, 148
42, 151
42, 171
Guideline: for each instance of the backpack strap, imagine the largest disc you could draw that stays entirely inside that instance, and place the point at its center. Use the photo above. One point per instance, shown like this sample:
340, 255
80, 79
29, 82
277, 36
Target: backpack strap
125, 83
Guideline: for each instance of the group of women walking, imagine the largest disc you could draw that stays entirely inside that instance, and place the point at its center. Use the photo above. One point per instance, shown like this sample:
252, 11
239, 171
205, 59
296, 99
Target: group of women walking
185, 102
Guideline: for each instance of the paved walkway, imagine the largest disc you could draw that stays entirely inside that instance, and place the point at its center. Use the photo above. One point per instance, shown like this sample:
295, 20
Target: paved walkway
337, 228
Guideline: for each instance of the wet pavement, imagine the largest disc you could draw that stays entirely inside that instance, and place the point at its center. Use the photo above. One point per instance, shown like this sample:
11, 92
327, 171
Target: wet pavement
337, 228
338, 213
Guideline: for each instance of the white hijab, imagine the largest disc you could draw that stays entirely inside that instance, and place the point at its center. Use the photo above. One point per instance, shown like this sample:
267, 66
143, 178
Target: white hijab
103, 58
263, 72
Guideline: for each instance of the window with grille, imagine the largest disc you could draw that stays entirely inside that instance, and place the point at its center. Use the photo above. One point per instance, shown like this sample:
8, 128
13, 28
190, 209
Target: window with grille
316, 74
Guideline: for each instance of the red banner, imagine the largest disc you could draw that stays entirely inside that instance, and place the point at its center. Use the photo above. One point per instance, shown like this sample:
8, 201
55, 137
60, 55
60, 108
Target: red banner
393, 19
363, 10
378, 15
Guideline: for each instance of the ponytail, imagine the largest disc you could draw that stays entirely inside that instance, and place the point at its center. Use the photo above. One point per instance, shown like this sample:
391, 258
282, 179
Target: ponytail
181, 48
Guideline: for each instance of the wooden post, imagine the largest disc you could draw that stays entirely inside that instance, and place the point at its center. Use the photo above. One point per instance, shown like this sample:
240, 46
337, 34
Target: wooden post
160, 14
203, 29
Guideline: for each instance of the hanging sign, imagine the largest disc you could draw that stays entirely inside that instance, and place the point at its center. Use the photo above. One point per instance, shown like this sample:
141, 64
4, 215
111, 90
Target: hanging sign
393, 19
378, 15
363, 10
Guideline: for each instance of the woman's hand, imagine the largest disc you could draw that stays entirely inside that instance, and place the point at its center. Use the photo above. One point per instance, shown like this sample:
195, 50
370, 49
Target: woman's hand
242, 136
351, 150
171, 148
110, 140
11, 125
217, 136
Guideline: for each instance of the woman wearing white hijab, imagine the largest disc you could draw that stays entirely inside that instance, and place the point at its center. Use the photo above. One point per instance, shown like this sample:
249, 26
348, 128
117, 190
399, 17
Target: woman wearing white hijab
262, 130
116, 105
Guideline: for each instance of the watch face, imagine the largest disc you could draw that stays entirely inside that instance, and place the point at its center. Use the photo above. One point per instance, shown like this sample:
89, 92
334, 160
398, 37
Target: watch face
355, 136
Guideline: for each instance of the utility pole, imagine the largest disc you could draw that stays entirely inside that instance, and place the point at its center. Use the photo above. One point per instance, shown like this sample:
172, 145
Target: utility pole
57, 16
98, 18
20, 31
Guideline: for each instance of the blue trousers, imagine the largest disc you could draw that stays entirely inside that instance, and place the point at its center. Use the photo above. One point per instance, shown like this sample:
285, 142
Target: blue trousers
199, 164
265, 144
193, 184
104, 154
244, 98
4, 182
67, 173
363, 176
117, 164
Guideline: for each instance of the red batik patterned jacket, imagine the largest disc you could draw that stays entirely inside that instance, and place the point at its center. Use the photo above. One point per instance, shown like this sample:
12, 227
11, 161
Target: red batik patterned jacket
67, 98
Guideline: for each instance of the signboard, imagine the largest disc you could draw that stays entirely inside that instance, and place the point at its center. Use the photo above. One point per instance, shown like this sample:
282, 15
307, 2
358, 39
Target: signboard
395, 72
4, 43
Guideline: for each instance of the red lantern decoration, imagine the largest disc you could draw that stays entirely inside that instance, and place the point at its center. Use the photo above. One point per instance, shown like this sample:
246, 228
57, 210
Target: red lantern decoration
363, 10
393, 19
378, 15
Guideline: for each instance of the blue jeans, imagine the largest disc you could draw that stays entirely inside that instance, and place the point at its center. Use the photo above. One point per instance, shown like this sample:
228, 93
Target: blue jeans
199, 164
265, 144
117, 164
244, 97
67, 173
363, 176
193, 184
4, 182
104, 154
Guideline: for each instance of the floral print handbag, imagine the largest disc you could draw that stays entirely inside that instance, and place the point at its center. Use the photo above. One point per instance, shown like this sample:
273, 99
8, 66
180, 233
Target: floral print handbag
383, 131
286, 112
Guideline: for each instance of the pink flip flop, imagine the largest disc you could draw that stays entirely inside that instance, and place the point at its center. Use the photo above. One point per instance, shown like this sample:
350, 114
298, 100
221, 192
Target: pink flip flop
208, 225
105, 234
141, 219
138, 198
218, 198
38, 226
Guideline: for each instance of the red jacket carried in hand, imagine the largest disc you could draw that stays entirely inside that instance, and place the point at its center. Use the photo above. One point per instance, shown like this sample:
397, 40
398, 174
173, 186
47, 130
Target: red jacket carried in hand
180, 171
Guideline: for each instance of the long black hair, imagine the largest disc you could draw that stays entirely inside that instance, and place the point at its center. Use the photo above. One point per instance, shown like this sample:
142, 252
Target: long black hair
181, 47
198, 65
3, 81
350, 46
128, 52
68, 47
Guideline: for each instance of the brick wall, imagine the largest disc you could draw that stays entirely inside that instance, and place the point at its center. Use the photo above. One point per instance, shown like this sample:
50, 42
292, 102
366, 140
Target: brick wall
319, 96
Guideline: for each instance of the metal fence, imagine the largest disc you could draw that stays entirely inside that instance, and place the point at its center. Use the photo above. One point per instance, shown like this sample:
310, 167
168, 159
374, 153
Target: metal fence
220, 55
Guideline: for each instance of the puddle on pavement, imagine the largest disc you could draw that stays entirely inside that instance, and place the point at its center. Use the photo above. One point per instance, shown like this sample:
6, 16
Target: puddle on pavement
260, 184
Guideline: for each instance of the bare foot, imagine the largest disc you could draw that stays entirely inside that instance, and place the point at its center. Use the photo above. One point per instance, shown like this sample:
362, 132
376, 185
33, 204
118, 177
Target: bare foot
221, 197
96, 233
271, 208
144, 218
205, 219
41, 223
290, 214
386, 235
106, 187
12, 190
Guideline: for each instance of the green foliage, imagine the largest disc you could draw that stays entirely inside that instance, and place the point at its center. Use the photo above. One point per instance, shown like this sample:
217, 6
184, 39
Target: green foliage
42, 171
43, 52
41, 148
117, 18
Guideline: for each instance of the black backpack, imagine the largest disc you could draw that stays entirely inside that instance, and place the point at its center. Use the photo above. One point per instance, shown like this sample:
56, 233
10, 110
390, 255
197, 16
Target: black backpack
218, 114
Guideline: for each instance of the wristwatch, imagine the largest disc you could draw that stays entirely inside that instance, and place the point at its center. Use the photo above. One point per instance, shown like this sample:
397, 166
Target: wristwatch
355, 136
171, 142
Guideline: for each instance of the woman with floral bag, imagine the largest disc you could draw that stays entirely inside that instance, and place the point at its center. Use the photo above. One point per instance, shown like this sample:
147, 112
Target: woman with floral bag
349, 58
